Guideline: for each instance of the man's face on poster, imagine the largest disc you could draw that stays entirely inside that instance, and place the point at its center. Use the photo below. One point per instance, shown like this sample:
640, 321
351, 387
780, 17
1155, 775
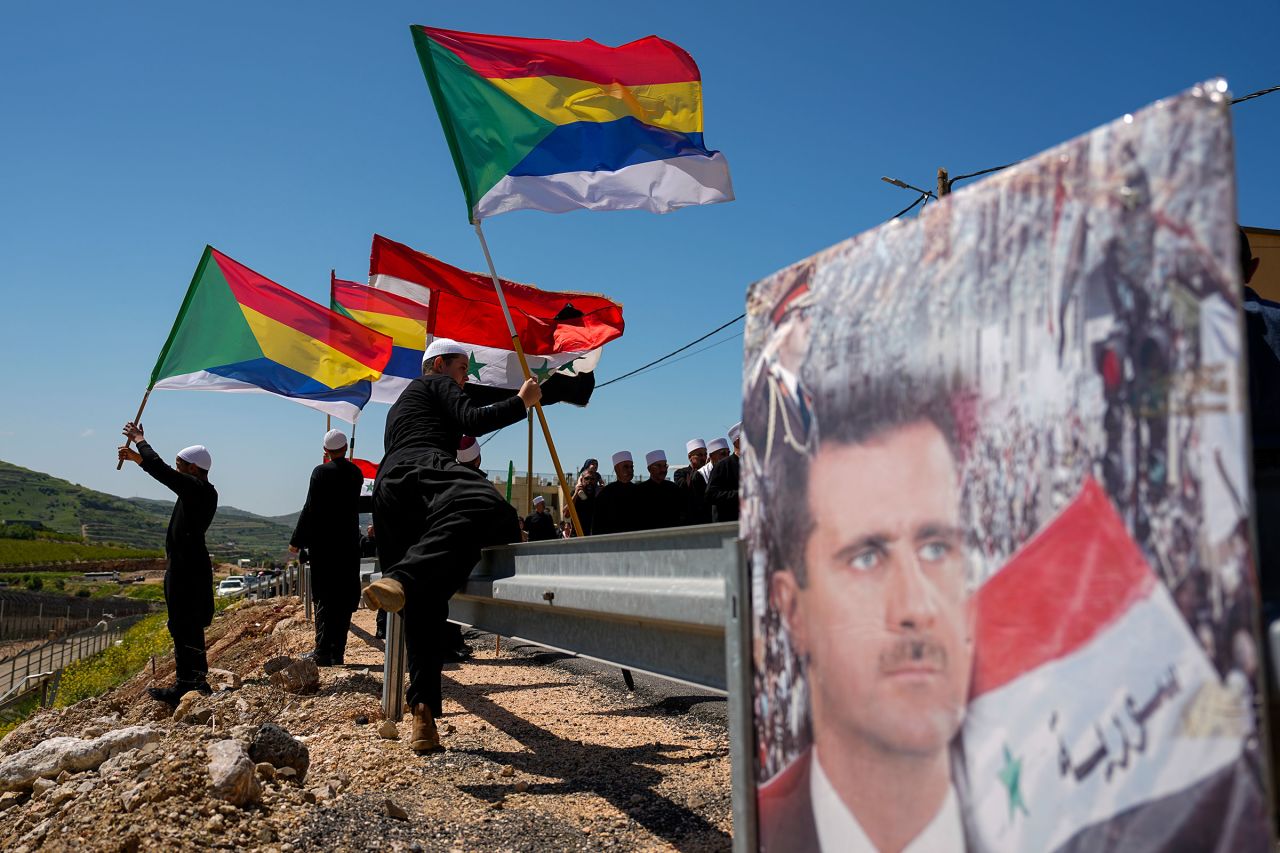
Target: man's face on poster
883, 616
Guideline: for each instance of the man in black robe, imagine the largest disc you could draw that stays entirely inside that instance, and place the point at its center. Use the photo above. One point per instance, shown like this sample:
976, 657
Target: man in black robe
584, 498
329, 528
693, 487
661, 501
434, 514
616, 506
539, 524
188, 578
722, 485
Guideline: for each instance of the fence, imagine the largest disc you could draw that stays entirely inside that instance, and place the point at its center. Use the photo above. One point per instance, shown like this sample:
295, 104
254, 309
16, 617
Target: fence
26, 615
39, 670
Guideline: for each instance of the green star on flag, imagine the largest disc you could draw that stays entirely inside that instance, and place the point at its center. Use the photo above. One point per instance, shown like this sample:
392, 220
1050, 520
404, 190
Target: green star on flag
1011, 778
473, 366
542, 372
569, 368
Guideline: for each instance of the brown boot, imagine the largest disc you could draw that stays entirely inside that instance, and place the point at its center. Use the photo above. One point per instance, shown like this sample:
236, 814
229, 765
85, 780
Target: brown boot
384, 594
425, 737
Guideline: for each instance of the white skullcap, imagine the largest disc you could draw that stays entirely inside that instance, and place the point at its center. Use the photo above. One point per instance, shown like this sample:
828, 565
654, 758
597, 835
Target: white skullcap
655, 456
735, 431
694, 444
539, 500
334, 440
197, 455
468, 449
717, 444
442, 346
621, 456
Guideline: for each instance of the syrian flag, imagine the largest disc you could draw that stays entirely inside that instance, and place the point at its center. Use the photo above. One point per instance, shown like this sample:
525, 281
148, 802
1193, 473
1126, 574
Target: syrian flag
370, 471
561, 331
1096, 721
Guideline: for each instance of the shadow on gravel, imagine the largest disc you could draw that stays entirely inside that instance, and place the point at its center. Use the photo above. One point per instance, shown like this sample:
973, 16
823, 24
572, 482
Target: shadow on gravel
529, 655
622, 775
670, 706
368, 639
355, 684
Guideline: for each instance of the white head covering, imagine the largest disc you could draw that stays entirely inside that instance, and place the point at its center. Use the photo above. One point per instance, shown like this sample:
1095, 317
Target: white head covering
468, 449
442, 346
655, 456
197, 455
621, 456
717, 444
539, 500
334, 440
694, 444
735, 431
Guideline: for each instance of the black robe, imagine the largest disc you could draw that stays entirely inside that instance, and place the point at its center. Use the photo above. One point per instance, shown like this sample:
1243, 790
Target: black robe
329, 528
617, 509
722, 489
541, 527
661, 504
188, 579
693, 487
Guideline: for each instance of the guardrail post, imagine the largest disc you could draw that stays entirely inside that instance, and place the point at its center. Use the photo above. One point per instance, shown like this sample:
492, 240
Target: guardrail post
393, 669
306, 591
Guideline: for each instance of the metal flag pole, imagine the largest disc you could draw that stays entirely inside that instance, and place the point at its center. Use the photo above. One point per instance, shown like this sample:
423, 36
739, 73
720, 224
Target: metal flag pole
524, 365
528, 486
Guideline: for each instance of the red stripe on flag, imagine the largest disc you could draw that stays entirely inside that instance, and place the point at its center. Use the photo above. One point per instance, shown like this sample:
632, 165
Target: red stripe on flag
369, 469
647, 60
362, 297
467, 309
1059, 591
281, 304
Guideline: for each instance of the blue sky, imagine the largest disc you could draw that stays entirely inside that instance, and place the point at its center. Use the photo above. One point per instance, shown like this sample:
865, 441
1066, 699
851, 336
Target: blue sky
286, 134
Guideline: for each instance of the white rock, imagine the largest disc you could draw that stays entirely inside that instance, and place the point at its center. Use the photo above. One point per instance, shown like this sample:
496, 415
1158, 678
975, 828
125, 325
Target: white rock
389, 730
51, 757
231, 773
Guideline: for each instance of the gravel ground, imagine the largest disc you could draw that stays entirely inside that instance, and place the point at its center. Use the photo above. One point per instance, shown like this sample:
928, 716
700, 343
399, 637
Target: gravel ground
542, 752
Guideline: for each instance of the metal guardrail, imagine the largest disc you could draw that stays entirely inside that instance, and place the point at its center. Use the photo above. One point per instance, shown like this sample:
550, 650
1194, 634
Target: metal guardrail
653, 602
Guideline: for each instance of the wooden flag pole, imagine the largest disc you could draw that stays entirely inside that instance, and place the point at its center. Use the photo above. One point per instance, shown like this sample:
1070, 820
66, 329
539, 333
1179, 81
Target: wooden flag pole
524, 365
136, 418
528, 491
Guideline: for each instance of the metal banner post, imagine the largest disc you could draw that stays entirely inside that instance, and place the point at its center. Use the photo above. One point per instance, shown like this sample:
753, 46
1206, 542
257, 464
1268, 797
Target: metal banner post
393, 669
306, 590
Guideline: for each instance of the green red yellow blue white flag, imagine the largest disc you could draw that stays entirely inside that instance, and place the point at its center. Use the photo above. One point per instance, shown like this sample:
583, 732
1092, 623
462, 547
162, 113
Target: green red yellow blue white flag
550, 125
241, 332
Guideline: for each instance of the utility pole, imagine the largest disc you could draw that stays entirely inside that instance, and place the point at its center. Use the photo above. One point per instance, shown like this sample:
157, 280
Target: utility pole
944, 183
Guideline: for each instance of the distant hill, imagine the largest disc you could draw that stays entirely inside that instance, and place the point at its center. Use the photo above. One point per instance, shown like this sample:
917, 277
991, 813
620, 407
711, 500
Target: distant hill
135, 522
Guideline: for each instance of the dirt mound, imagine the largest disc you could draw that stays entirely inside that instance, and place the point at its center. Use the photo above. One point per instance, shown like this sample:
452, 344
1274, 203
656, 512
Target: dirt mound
537, 757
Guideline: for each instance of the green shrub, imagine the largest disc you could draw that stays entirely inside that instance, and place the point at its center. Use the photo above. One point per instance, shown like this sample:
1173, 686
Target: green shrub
33, 583
98, 674
16, 531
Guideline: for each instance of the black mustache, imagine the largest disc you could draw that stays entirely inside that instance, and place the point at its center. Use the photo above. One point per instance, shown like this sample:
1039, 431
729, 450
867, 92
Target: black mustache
913, 650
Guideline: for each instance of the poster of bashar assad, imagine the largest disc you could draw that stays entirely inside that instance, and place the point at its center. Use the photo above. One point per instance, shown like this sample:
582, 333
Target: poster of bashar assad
996, 512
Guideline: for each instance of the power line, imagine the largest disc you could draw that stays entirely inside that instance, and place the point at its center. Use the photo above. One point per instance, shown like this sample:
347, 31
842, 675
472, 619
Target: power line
925, 193
1257, 94
673, 352
732, 337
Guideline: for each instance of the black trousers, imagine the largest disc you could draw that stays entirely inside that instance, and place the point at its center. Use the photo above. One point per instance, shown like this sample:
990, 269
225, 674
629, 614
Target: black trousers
333, 621
188, 650
432, 520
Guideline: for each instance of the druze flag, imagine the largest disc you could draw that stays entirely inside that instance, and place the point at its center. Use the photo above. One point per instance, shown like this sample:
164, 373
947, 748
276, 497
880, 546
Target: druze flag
561, 331
239, 331
403, 319
552, 125
1096, 721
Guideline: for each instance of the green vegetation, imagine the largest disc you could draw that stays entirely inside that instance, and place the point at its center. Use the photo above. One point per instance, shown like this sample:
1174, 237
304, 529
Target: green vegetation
17, 552
98, 674
13, 716
69, 511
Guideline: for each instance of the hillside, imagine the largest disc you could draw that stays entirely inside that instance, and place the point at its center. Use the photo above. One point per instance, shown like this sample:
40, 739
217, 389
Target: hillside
136, 522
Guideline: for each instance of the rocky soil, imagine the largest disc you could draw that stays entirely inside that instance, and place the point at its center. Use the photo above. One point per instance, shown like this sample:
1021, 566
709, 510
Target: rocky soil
537, 757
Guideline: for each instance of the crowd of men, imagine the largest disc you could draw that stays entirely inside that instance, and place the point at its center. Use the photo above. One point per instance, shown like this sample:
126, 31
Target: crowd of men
702, 492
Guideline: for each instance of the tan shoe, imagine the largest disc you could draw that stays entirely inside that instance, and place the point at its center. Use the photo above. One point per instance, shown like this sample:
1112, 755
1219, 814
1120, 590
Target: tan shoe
384, 594
425, 737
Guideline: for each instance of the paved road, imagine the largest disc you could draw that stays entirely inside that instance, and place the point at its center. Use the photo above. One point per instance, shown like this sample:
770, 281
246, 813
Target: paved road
52, 656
